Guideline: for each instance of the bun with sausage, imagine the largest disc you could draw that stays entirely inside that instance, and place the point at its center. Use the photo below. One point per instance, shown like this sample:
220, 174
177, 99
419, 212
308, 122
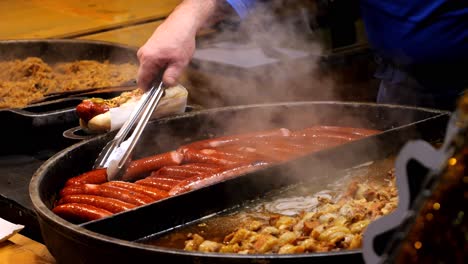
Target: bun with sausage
99, 115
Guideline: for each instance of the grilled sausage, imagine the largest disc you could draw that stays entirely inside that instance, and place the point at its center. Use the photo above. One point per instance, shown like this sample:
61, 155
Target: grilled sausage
227, 140
108, 191
161, 183
197, 156
177, 172
109, 204
138, 168
203, 167
77, 212
347, 133
149, 191
94, 176
201, 181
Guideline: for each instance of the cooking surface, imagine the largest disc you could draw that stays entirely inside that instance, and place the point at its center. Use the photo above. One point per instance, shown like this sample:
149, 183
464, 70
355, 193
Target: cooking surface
120, 230
289, 201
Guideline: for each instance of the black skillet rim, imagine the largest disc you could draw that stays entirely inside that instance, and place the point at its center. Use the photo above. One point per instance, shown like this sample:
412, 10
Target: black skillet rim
48, 215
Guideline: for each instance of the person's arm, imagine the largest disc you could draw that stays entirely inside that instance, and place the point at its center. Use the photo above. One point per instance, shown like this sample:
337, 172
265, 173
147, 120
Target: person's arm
172, 44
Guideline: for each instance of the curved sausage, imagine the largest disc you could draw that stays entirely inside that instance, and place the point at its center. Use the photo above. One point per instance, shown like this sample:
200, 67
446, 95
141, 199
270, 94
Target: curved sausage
138, 168
196, 156
165, 184
226, 140
336, 132
250, 152
94, 176
198, 182
228, 155
109, 204
204, 167
152, 192
364, 132
108, 191
178, 172
77, 212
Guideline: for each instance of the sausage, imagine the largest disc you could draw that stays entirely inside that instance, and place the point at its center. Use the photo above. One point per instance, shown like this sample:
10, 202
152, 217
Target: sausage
313, 134
196, 156
204, 167
177, 172
161, 183
250, 152
108, 191
265, 153
77, 212
109, 204
337, 132
198, 182
88, 109
94, 176
226, 140
79, 189
288, 146
364, 132
138, 168
152, 192
233, 156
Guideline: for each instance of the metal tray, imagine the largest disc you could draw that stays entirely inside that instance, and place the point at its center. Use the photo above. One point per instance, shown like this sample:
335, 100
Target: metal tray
38, 126
113, 239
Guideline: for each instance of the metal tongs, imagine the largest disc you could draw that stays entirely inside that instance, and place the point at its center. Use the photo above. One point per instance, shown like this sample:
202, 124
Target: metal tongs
115, 156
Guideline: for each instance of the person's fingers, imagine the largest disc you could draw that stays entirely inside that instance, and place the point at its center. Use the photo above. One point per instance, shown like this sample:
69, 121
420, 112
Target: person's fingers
145, 77
172, 73
149, 68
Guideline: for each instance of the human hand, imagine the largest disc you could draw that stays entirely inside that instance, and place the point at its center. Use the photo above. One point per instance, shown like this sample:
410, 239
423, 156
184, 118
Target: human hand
170, 47
172, 44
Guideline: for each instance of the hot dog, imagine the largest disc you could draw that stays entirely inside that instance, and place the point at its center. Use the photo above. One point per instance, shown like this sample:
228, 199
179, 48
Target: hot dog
99, 115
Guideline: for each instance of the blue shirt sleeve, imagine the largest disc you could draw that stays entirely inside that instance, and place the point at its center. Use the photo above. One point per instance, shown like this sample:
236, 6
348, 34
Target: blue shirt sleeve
242, 7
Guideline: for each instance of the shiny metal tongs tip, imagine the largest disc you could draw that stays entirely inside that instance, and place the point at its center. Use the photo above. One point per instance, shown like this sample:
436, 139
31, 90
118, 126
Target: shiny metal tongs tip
115, 156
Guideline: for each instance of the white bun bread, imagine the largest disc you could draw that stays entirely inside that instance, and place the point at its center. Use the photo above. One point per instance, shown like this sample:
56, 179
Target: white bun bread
173, 102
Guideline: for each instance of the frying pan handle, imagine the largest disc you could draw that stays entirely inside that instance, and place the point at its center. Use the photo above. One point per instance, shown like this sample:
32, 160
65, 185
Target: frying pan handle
409, 182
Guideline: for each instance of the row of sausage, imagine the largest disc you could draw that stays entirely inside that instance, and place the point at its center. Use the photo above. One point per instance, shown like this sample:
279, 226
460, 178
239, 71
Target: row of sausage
90, 196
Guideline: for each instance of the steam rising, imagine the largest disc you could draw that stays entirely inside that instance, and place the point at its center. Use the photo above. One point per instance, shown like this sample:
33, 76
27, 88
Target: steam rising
291, 80
277, 30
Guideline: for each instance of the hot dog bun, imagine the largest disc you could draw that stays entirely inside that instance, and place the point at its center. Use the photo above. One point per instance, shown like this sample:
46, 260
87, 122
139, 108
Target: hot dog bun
173, 102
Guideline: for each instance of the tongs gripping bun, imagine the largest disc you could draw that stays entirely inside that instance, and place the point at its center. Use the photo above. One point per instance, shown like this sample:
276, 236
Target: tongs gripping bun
99, 115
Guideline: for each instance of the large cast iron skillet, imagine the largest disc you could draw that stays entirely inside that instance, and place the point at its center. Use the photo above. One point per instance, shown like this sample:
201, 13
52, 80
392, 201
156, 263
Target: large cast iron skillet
112, 240
40, 125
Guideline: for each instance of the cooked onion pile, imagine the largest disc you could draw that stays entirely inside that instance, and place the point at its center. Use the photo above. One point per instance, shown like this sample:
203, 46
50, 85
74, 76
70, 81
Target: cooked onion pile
332, 225
24, 81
